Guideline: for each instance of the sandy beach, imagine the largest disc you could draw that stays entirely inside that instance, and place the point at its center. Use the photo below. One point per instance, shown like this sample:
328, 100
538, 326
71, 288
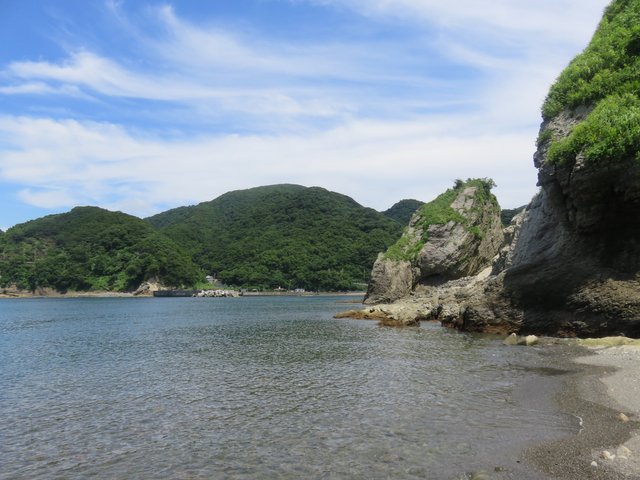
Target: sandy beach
603, 392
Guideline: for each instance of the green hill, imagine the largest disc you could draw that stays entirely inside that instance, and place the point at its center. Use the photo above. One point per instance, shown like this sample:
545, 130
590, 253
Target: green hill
282, 235
402, 211
91, 249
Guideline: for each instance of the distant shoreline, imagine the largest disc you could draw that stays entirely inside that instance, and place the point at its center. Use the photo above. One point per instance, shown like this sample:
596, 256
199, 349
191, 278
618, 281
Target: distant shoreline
8, 293
22, 294
304, 294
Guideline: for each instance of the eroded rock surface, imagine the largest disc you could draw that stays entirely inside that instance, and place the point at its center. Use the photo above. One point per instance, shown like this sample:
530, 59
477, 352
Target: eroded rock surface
390, 280
457, 235
570, 263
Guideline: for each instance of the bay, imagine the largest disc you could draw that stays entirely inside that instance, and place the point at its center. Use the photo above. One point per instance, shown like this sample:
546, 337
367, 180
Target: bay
256, 388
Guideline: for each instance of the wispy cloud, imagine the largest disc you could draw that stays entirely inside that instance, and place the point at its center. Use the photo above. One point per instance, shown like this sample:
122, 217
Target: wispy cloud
69, 162
454, 92
232, 72
518, 19
238, 74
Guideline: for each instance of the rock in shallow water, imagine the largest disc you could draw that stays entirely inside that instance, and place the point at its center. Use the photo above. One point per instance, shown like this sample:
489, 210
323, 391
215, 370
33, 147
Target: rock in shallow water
515, 339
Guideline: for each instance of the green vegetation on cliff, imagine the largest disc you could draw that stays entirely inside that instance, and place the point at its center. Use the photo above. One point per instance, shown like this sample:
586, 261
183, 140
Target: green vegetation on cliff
282, 235
605, 79
610, 133
91, 249
440, 212
402, 211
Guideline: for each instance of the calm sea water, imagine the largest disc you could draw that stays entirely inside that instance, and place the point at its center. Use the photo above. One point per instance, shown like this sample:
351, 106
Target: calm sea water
259, 388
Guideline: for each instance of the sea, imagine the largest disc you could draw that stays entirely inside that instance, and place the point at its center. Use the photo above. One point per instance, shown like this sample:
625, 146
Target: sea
262, 388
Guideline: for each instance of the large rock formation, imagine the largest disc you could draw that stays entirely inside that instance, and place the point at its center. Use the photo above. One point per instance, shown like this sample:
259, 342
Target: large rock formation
454, 236
461, 248
574, 265
571, 261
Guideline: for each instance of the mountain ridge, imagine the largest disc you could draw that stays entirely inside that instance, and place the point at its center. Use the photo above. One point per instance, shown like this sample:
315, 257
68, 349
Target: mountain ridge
314, 239
90, 248
281, 235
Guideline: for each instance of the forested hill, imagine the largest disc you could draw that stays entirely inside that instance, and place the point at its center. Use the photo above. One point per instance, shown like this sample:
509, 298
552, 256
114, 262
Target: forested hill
402, 211
91, 249
282, 235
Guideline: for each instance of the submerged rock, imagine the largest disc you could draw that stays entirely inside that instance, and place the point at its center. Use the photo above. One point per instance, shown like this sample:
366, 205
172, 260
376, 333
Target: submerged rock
608, 342
623, 418
623, 451
606, 455
512, 339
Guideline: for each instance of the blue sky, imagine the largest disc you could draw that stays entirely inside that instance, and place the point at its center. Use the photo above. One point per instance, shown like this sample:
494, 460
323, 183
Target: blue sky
141, 106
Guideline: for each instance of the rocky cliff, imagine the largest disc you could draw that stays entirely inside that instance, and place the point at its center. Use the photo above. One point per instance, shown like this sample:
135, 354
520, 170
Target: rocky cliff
454, 236
570, 264
573, 267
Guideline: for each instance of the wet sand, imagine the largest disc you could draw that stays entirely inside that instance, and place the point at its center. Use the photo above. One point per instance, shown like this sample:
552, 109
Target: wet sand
603, 383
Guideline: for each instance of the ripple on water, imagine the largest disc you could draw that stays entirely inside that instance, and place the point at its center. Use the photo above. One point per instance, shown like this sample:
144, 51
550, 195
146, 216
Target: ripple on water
255, 388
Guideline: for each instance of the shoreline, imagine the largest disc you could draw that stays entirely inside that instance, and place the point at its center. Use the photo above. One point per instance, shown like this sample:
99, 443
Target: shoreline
22, 295
7, 294
599, 384
602, 384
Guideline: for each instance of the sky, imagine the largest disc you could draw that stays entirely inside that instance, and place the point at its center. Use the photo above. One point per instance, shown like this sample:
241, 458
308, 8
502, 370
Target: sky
141, 106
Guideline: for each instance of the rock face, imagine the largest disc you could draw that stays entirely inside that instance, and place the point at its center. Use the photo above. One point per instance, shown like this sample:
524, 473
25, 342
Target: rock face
390, 280
455, 236
460, 249
147, 288
574, 265
570, 264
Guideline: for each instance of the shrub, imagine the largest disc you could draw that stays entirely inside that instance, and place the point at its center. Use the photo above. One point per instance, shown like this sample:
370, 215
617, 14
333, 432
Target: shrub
609, 65
439, 212
610, 133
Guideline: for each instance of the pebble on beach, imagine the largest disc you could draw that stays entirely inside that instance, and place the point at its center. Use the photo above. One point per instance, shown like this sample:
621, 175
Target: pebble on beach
514, 339
511, 339
594, 464
623, 418
607, 455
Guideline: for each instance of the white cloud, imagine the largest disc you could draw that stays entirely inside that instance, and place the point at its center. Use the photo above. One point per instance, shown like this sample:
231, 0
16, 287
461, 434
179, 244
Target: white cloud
377, 163
499, 19
219, 72
83, 73
374, 142
47, 198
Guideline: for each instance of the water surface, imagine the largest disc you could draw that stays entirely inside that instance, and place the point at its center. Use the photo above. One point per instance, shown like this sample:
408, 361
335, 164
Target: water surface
259, 388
